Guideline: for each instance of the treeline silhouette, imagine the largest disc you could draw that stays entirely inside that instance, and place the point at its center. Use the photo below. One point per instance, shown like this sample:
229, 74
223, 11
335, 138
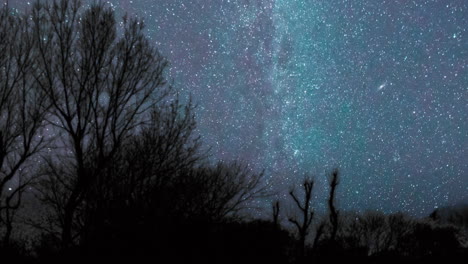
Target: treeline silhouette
99, 160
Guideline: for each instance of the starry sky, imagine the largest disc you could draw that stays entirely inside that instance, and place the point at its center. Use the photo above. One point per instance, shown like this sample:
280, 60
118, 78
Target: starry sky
378, 88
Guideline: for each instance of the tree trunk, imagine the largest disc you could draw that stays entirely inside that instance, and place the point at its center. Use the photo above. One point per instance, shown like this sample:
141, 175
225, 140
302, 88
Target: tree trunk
69, 213
9, 228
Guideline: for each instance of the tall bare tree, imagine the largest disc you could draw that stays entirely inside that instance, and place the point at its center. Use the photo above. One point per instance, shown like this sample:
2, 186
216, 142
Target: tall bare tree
101, 78
303, 222
329, 225
22, 110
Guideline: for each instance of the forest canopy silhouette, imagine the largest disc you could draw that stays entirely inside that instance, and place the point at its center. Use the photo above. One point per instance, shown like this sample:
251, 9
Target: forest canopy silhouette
100, 159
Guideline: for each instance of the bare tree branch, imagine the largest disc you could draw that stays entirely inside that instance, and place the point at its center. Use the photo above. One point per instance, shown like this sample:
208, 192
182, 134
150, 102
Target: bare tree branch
22, 111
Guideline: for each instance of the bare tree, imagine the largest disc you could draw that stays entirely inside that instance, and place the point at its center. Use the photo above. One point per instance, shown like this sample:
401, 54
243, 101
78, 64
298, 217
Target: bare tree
306, 211
373, 231
331, 204
100, 84
22, 110
165, 147
147, 166
220, 191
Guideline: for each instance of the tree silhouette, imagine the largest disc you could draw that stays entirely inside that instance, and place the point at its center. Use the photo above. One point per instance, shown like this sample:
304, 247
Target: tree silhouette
307, 214
331, 204
218, 192
100, 85
88, 119
22, 110
143, 175
276, 211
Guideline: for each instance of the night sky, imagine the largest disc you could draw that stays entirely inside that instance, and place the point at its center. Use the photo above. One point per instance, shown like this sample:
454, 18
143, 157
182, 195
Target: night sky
378, 88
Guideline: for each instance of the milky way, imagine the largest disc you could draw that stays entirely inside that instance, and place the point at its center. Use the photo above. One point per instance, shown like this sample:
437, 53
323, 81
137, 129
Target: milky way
376, 88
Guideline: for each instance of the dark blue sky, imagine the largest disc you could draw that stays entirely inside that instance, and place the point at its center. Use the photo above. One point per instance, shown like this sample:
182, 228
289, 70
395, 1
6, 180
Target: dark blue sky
376, 88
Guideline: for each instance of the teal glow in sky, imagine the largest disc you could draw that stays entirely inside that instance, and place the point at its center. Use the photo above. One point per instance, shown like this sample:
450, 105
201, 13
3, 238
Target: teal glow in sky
377, 88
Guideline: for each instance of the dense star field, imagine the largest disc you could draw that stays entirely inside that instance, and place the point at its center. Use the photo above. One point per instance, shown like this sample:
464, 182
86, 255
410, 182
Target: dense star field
376, 88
